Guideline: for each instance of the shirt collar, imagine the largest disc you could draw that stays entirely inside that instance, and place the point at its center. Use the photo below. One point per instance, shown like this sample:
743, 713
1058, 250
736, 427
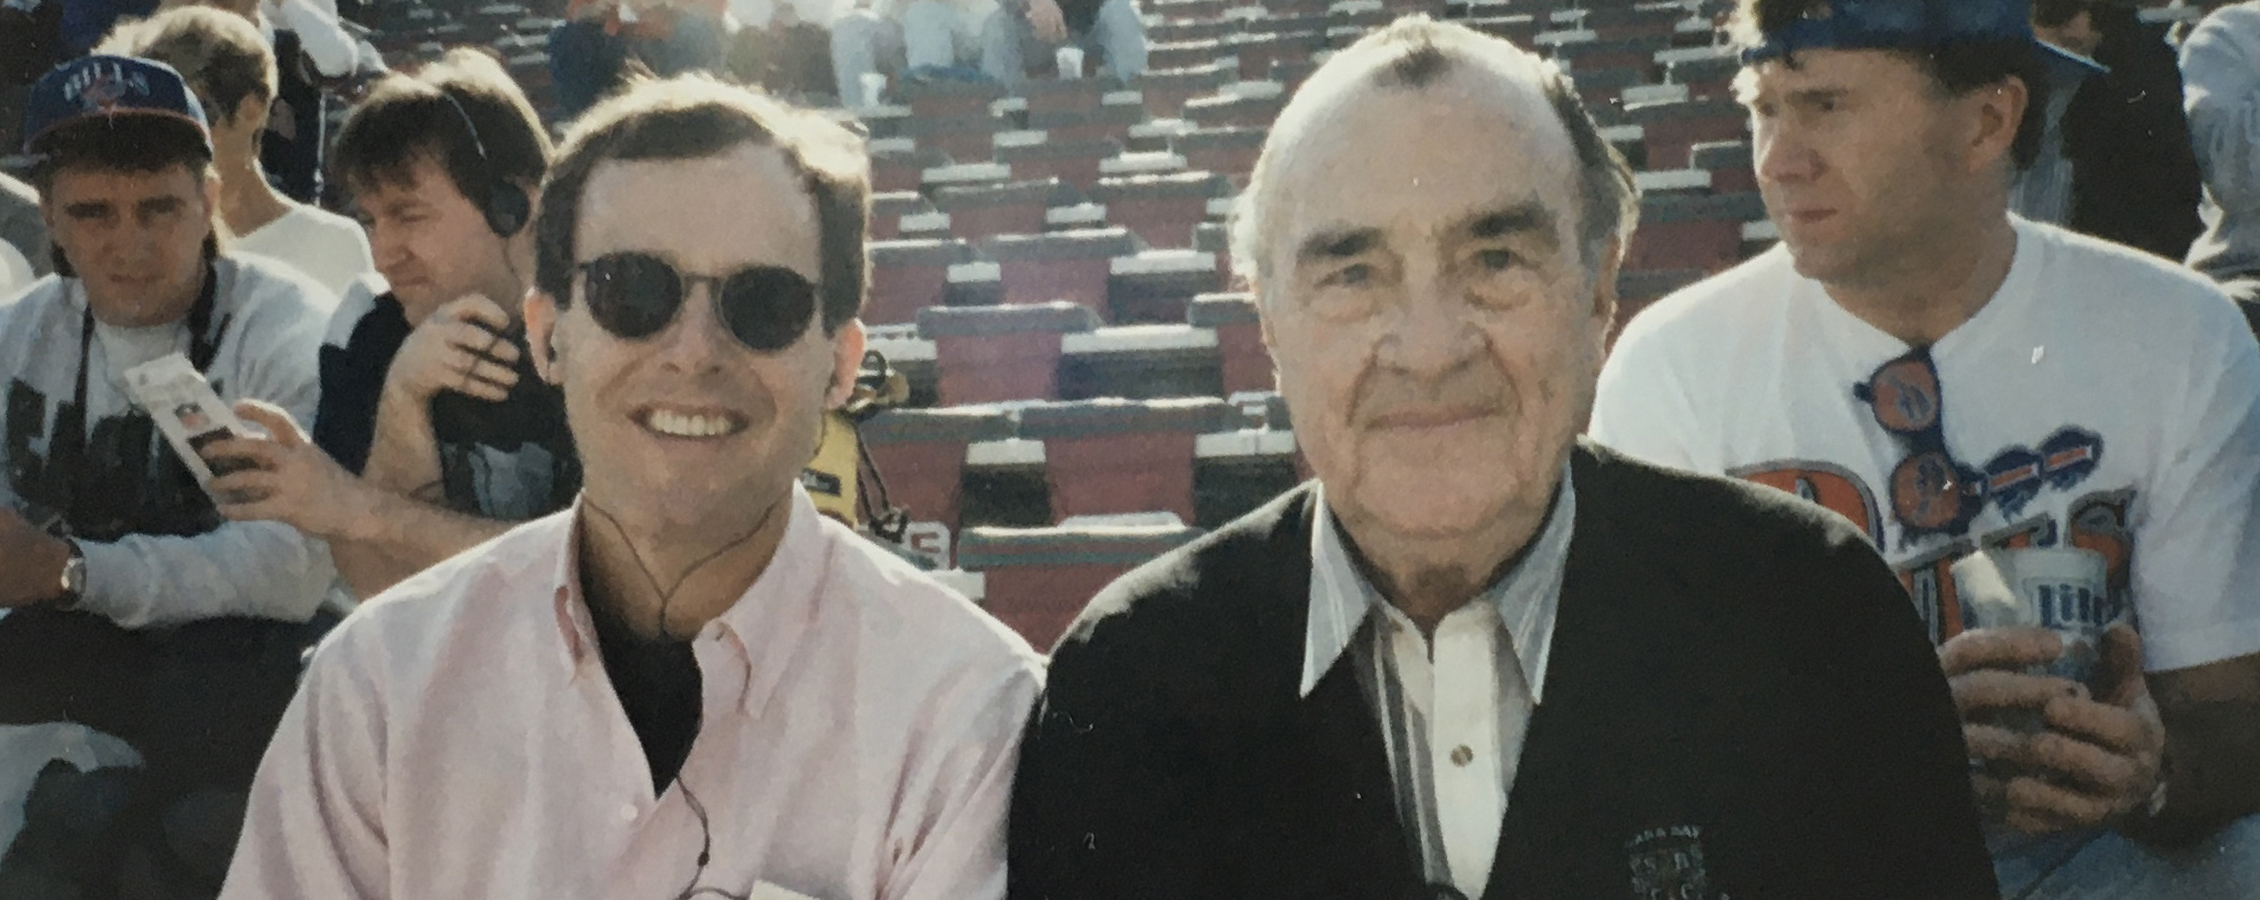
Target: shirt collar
763, 628
1526, 597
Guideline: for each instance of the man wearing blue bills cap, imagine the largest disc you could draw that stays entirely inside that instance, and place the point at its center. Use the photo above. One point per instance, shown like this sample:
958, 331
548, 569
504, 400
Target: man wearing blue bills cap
2054, 440
147, 645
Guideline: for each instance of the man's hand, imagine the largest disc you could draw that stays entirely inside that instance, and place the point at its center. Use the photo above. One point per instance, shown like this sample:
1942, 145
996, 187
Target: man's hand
459, 348
31, 562
2052, 758
1049, 22
292, 481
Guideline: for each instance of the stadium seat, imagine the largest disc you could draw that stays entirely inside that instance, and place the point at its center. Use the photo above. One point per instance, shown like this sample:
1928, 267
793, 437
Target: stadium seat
1160, 209
1238, 110
1140, 362
1061, 265
964, 138
1036, 154
1230, 152
1112, 455
920, 454
939, 100
1245, 361
910, 275
1036, 580
980, 212
1671, 128
1729, 163
1692, 231
993, 354
1158, 285
1165, 92
887, 210
899, 165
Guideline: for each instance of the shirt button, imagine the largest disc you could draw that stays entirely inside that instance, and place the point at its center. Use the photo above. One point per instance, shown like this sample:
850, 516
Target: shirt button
1461, 755
627, 812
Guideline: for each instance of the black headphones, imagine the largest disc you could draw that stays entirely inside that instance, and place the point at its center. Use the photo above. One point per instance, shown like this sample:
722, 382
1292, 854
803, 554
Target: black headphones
505, 205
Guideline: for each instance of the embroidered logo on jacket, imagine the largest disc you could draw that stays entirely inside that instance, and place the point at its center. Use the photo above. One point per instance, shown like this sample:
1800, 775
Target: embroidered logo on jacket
1667, 864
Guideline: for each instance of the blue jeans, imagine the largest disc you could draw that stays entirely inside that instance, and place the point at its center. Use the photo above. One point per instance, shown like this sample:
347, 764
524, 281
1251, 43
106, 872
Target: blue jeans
2111, 867
931, 35
1118, 34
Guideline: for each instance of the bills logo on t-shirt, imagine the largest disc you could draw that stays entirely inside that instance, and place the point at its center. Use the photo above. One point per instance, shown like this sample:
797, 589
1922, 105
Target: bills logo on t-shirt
2014, 479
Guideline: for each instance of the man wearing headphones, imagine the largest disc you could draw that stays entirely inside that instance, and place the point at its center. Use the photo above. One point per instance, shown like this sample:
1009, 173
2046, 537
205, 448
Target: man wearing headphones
428, 392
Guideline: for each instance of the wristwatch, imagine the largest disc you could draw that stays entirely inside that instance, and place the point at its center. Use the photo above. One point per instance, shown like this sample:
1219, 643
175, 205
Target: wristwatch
73, 584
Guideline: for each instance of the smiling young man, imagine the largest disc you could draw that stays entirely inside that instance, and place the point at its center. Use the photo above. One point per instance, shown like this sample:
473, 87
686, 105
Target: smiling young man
690, 683
434, 433
1953, 378
128, 606
1477, 657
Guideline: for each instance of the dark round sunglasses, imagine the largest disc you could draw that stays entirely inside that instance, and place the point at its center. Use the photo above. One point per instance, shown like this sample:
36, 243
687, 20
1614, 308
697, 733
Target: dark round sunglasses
636, 295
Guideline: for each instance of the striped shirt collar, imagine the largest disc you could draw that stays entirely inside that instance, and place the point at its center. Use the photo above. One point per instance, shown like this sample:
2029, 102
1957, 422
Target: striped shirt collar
1526, 597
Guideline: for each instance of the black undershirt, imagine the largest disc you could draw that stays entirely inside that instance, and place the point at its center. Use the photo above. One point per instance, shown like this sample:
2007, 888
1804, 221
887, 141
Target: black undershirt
658, 684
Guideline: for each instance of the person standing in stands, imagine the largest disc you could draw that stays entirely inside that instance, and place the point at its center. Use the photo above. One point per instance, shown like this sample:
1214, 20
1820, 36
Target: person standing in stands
233, 73
1955, 379
1109, 29
690, 683
434, 433
2221, 63
128, 607
1479, 657
2114, 159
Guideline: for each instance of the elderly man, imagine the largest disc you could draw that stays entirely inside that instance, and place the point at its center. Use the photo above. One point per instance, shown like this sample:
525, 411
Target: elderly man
690, 683
1478, 657
1957, 379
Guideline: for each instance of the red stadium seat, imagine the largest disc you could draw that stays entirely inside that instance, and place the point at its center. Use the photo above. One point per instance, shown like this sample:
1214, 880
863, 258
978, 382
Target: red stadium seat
1113, 456
1039, 579
980, 212
1160, 209
1239, 339
908, 276
1064, 265
993, 354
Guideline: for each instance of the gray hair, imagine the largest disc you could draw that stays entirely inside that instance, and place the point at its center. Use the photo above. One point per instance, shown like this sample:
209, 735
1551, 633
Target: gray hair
1413, 53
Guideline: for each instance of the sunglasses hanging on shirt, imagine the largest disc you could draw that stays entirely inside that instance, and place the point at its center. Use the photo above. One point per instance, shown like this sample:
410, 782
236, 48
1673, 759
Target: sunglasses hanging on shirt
636, 295
1930, 492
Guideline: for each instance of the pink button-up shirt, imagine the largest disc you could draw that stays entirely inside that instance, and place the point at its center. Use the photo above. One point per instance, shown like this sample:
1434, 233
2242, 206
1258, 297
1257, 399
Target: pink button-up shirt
457, 739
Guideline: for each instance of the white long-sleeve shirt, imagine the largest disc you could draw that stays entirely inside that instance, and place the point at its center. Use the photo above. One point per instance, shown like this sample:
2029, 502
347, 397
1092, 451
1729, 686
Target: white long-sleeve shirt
275, 320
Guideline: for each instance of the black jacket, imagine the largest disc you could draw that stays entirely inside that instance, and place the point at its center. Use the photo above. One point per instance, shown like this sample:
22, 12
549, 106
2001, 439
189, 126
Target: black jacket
2134, 174
1725, 657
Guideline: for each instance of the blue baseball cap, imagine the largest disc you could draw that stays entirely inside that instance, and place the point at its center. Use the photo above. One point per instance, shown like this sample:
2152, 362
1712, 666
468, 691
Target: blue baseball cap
110, 86
1907, 25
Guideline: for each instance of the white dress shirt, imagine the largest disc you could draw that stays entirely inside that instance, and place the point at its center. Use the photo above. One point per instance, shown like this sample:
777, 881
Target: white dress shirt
1453, 708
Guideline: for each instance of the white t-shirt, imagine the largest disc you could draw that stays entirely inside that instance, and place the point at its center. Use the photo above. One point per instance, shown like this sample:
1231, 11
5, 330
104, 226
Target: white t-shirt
329, 247
266, 350
2110, 400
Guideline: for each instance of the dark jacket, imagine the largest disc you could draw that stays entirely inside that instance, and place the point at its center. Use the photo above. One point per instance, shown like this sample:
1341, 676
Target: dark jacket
1740, 702
2134, 174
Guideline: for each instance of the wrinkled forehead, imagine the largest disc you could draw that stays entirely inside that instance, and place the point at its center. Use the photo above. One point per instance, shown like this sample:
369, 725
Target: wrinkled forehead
1411, 161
